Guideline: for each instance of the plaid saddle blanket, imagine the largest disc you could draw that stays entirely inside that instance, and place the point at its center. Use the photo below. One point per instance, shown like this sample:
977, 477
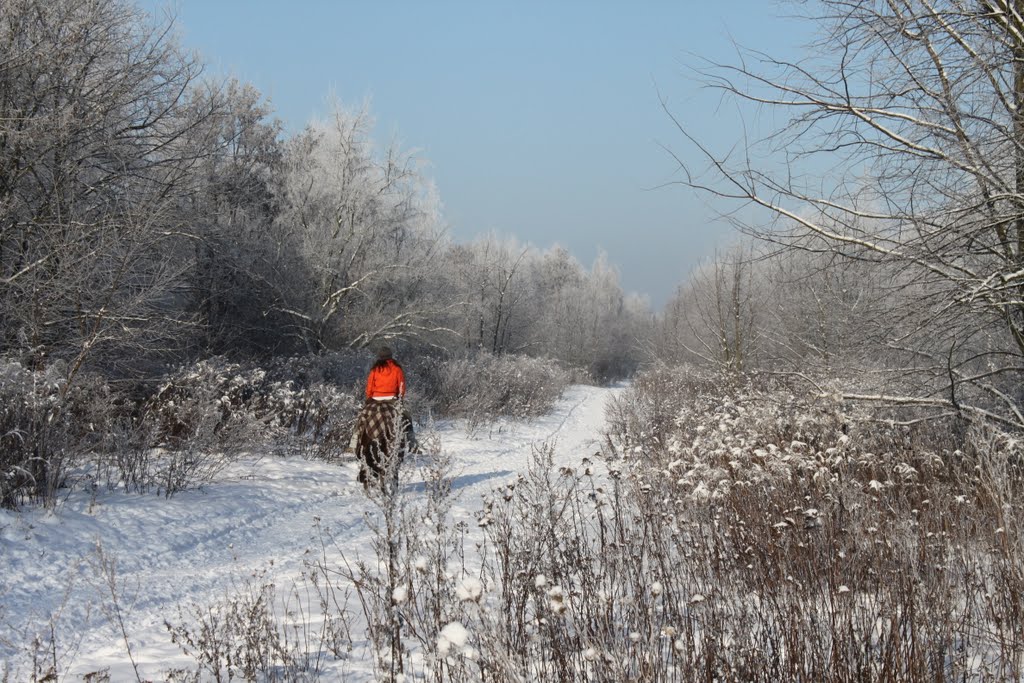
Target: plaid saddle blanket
376, 422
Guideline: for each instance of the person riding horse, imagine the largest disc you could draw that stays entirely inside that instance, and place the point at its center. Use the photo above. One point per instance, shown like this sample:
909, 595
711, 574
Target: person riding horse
383, 411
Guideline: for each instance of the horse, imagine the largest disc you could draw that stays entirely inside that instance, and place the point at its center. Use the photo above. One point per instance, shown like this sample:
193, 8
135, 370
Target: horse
380, 445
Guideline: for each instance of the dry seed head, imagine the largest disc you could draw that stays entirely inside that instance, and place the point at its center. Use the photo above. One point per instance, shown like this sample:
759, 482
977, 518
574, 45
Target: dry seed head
470, 589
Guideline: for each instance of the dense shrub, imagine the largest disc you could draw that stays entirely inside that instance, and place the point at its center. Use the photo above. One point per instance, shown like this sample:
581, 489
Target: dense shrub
793, 538
484, 386
179, 435
219, 406
44, 427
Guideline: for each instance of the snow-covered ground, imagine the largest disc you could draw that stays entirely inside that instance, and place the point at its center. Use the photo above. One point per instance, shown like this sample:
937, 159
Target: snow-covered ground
261, 515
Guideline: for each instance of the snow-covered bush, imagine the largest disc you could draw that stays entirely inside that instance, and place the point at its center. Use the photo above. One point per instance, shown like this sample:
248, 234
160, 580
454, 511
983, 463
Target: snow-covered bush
641, 574
483, 386
825, 540
209, 402
245, 637
219, 404
197, 421
45, 427
204, 414
316, 399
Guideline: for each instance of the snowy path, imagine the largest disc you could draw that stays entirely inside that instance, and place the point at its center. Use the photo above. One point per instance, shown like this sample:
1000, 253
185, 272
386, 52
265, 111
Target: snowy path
194, 548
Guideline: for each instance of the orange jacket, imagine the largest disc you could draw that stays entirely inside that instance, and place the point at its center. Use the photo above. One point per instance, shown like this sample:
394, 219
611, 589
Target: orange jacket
387, 381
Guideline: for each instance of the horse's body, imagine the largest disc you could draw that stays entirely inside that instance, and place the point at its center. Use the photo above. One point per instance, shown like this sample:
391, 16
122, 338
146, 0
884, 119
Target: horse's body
381, 431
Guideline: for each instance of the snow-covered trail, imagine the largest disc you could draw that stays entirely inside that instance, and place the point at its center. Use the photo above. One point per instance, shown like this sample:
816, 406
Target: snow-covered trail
194, 549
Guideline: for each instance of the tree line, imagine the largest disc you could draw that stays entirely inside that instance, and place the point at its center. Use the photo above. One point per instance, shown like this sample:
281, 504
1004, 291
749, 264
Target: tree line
150, 214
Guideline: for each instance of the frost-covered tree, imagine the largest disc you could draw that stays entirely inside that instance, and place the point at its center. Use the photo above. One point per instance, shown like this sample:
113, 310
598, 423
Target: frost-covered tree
588, 319
904, 148
719, 315
515, 298
818, 312
148, 214
97, 116
490, 282
365, 228
230, 220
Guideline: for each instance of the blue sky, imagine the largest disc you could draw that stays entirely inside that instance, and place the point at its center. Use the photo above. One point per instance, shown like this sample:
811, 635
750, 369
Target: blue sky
538, 119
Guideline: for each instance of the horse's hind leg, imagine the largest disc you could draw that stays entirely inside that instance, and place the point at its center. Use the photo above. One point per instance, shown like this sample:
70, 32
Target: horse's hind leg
369, 461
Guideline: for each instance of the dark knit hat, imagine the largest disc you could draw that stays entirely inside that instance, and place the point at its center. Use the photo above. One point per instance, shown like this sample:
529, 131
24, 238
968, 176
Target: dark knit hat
383, 353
